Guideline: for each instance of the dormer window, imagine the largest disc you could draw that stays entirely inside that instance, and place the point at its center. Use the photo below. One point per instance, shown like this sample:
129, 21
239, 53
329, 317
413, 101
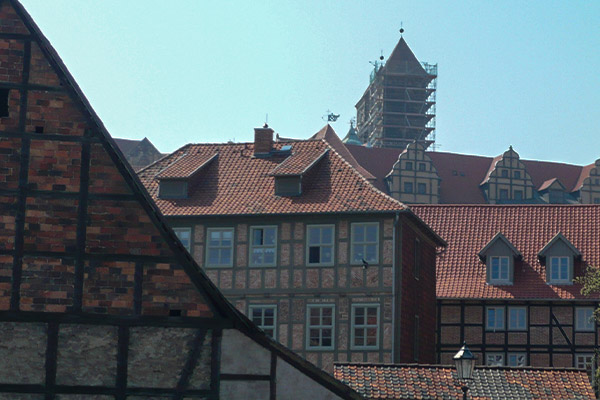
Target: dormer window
288, 186
172, 189
560, 270
558, 256
499, 257
499, 270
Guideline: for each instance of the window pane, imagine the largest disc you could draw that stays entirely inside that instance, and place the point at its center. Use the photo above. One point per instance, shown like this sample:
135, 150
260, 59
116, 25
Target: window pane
359, 233
313, 236
227, 235
313, 255
371, 253
257, 236
225, 257
327, 235
213, 256
326, 255
371, 233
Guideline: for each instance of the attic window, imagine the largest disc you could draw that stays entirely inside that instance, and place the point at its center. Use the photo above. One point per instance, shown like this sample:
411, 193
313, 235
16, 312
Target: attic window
171, 189
288, 186
4, 102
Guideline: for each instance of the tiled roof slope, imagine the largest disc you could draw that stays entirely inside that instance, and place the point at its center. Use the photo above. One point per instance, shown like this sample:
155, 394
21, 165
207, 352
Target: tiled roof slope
462, 174
399, 382
187, 166
298, 163
468, 228
237, 183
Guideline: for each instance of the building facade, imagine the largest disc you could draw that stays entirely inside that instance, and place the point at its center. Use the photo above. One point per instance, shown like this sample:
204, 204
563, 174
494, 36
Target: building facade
306, 247
398, 107
506, 283
98, 299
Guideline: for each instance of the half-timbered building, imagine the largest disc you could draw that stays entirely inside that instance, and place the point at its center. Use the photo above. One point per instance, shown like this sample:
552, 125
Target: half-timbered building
304, 245
98, 298
505, 283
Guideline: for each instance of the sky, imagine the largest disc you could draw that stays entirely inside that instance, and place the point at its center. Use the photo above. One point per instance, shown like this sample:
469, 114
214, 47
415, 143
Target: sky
520, 73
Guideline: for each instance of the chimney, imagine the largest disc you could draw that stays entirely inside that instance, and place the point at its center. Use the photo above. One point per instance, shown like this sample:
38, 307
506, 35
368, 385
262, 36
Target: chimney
263, 141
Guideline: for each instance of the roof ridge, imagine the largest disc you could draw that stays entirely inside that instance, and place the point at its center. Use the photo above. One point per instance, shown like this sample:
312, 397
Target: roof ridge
365, 180
507, 205
445, 366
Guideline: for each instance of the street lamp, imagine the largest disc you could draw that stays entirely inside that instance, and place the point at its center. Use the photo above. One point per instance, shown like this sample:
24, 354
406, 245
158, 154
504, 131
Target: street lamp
465, 363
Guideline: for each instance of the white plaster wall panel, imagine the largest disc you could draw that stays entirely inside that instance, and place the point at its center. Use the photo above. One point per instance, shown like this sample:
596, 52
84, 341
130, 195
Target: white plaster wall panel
295, 385
241, 355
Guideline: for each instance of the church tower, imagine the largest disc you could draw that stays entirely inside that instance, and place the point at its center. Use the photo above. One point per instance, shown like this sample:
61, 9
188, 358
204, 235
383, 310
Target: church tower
398, 107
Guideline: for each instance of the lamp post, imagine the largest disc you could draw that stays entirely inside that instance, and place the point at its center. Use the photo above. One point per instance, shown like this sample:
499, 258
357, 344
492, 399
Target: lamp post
464, 361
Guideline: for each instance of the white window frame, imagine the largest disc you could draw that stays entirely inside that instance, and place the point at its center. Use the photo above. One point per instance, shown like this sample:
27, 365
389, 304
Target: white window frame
262, 325
320, 327
498, 359
516, 356
559, 280
586, 361
263, 247
183, 230
499, 280
496, 326
354, 243
208, 246
516, 327
584, 321
321, 245
364, 326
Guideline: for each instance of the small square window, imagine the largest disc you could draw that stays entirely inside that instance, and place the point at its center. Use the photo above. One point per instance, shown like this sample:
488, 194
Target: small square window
409, 166
320, 239
185, 237
495, 319
499, 270
517, 174
219, 247
421, 188
585, 361
408, 187
596, 200
320, 327
365, 242
517, 359
504, 173
365, 326
422, 167
584, 319
518, 195
494, 359
559, 270
265, 317
503, 194
263, 246
517, 318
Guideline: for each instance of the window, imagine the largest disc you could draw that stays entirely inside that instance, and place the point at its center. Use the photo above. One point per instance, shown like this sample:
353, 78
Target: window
596, 200
421, 188
320, 327
4, 102
422, 166
517, 359
219, 247
585, 361
365, 326
559, 270
417, 259
265, 318
503, 194
499, 270
517, 174
504, 173
416, 340
365, 242
185, 237
409, 166
288, 186
408, 187
518, 195
320, 244
495, 319
494, 359
517, 318
584, 319
172, 189
263, 245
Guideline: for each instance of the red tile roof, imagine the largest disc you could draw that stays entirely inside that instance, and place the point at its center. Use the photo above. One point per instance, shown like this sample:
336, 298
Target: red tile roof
237, 183
468, 228
186, 166
298, 163
399, 382
462, 174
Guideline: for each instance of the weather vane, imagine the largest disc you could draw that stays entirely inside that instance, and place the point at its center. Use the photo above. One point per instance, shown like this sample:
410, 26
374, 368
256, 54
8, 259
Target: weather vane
331, 117
401, 29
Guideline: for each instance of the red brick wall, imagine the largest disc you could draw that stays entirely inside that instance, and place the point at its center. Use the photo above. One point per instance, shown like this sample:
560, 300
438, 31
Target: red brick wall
418, 298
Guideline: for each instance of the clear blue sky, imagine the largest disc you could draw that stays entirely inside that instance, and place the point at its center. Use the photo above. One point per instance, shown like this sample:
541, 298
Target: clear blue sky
521, 73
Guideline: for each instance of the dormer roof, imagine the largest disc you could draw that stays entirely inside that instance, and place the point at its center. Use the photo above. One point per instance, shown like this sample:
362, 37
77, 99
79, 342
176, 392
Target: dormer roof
553, 183
498, 237
187, 166
298, 163
559, 237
